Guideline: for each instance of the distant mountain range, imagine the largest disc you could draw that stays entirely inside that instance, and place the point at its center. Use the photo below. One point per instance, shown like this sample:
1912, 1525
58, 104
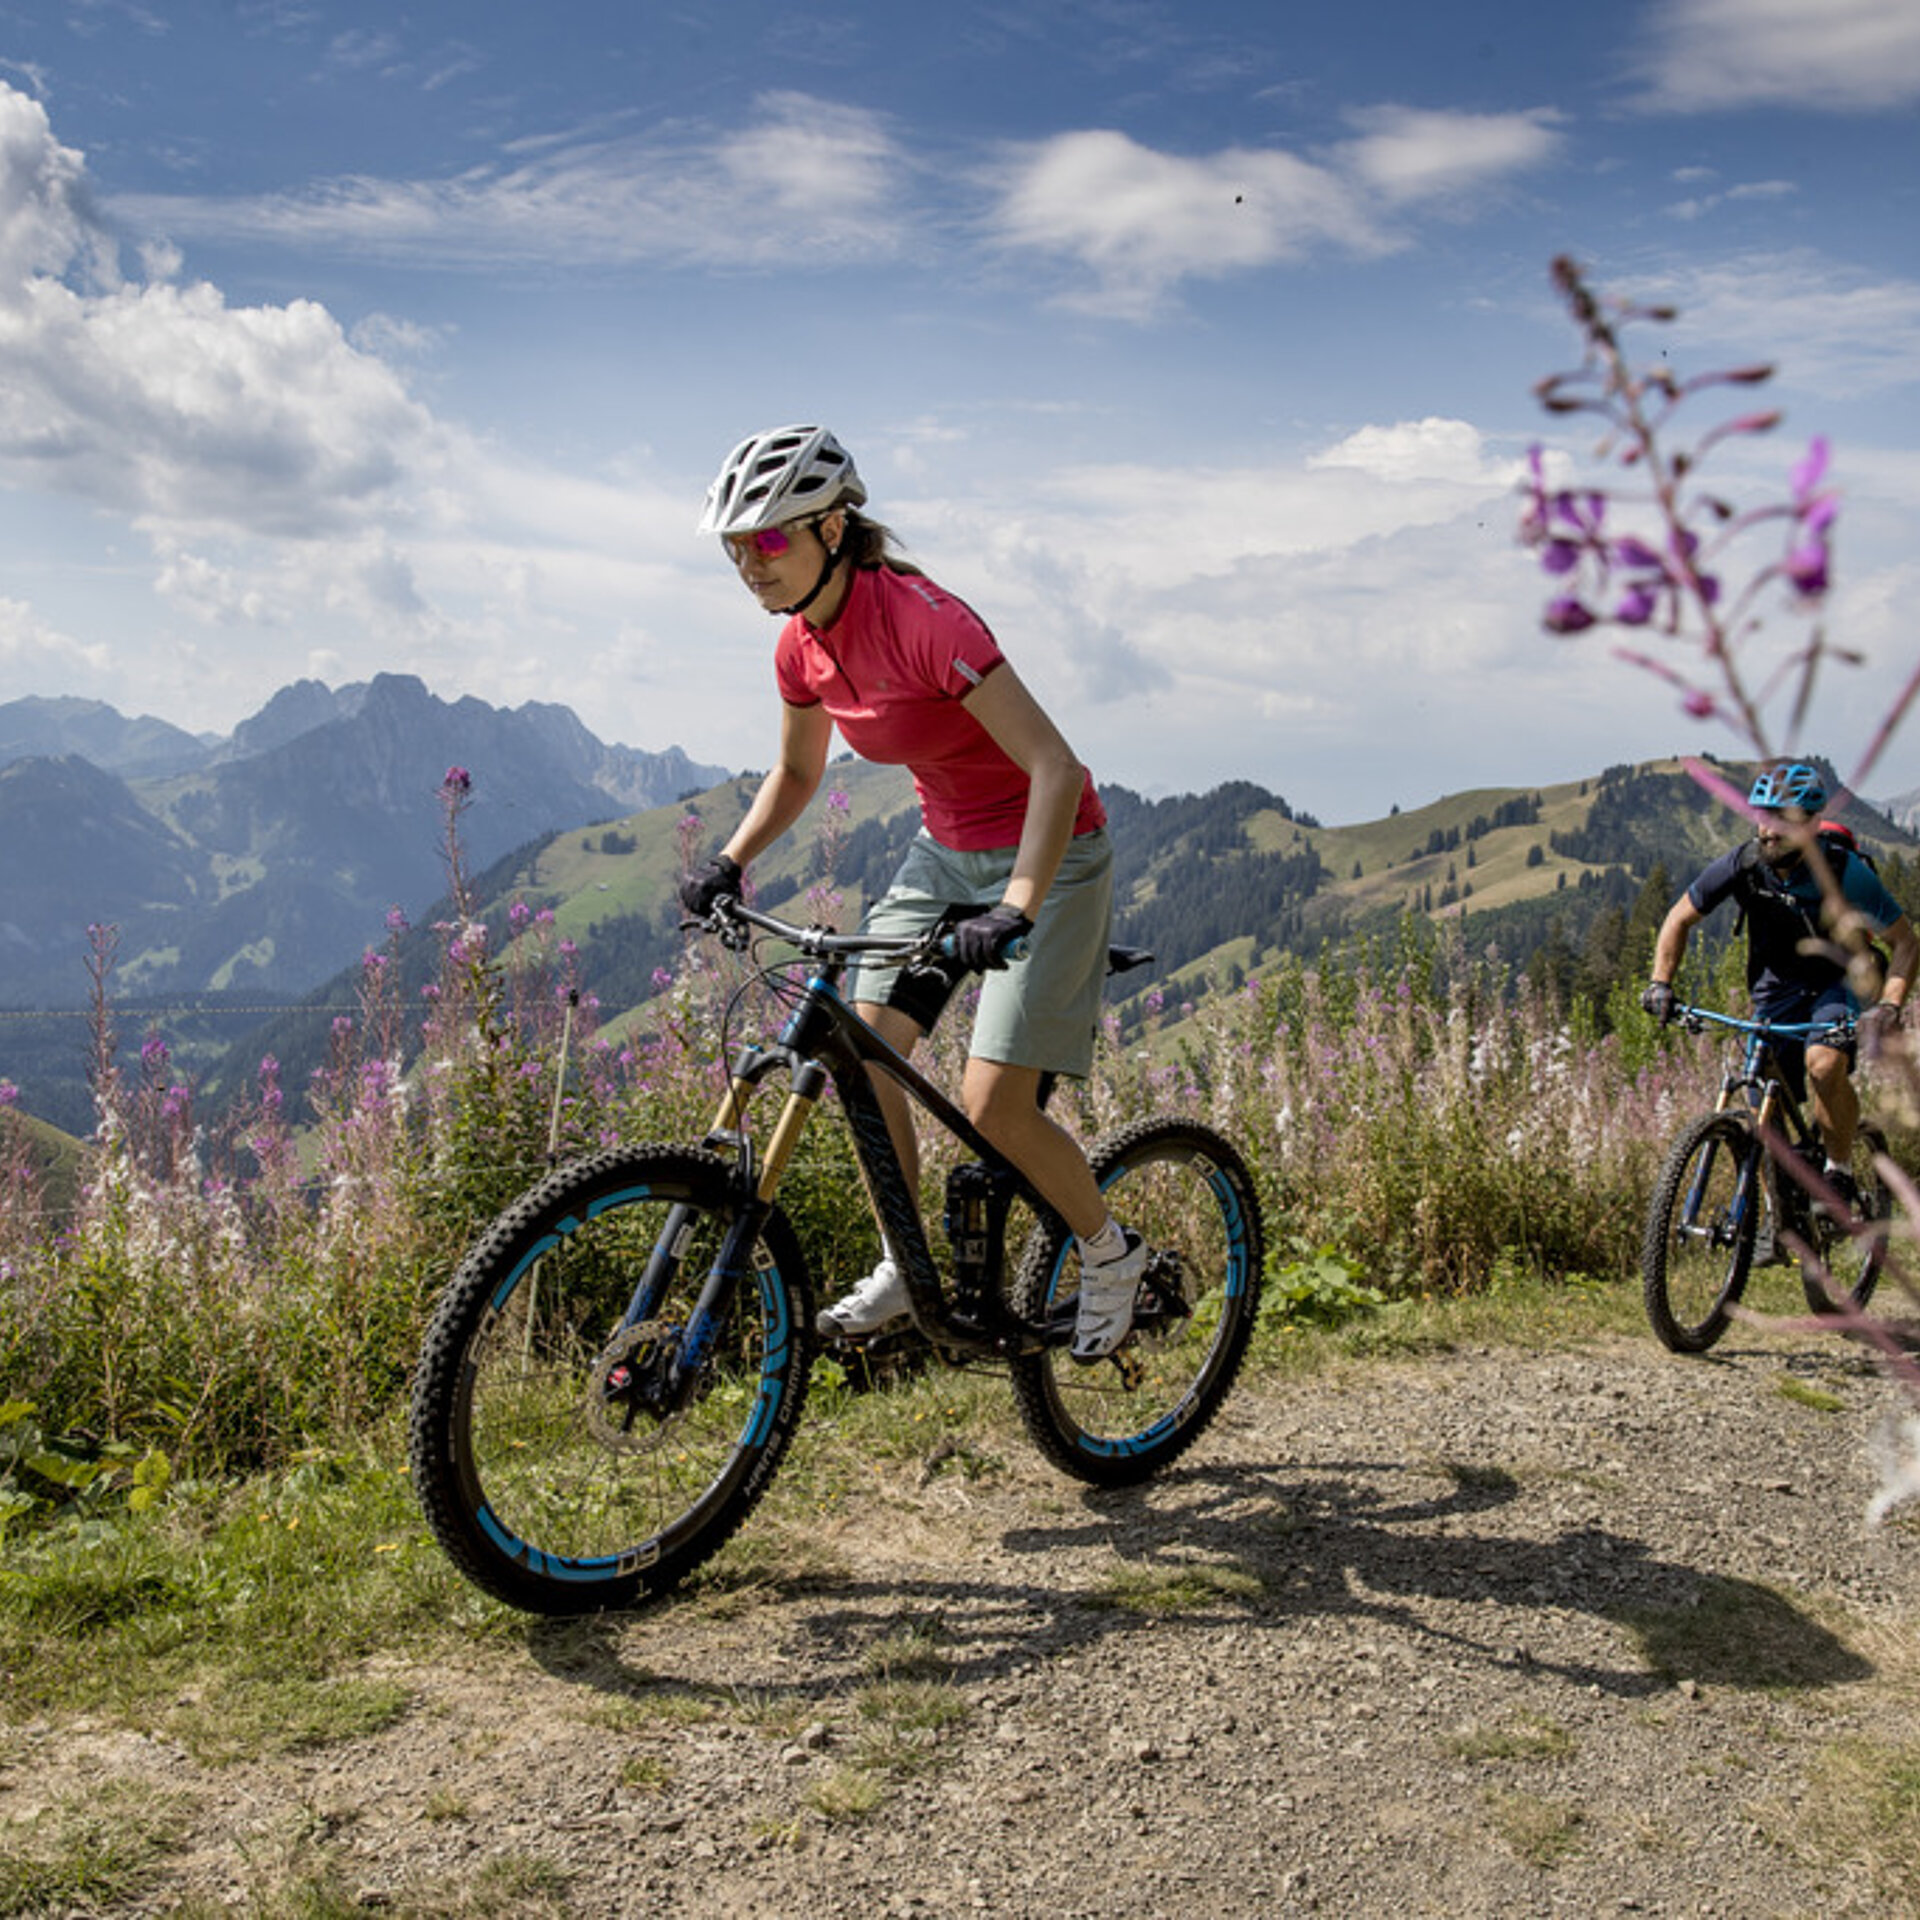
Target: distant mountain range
1904, 810
251, 872
264, 862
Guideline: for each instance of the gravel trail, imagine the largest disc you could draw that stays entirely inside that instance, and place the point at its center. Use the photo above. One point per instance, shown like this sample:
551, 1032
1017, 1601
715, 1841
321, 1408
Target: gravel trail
1495, 1632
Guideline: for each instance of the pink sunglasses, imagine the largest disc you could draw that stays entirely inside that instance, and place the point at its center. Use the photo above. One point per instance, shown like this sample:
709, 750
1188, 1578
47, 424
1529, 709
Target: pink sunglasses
769, 543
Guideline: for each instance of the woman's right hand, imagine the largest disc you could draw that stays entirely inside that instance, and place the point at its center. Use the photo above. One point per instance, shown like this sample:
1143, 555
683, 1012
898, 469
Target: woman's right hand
715, 879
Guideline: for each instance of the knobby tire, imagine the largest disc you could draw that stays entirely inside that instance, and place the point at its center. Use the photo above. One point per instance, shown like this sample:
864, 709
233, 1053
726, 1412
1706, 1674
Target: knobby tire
557, 1463
1847, 1259
1700, 1231
1188, 1192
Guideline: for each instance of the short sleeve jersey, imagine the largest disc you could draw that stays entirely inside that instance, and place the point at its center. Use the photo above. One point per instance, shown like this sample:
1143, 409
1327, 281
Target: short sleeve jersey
893, 672
1783, 911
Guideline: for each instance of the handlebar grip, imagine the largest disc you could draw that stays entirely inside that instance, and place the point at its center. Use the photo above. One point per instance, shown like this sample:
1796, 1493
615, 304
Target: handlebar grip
1013, 950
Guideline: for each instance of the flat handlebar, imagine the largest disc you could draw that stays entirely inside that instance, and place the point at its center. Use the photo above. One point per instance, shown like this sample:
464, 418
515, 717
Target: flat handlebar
1696, 1019
731, 919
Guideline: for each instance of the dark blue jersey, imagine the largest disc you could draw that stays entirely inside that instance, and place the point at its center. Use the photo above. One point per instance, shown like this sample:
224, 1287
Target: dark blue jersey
1785, 911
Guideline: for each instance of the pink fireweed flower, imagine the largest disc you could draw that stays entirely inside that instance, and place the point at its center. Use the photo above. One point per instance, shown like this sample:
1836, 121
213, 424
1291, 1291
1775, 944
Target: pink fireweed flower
1636, 606
1567, 615
1810, 469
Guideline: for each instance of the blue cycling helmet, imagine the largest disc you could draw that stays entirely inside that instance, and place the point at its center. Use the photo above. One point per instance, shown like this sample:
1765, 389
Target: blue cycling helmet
1791, 784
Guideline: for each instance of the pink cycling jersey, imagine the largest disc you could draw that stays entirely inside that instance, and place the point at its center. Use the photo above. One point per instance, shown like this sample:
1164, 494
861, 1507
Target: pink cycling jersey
892, 672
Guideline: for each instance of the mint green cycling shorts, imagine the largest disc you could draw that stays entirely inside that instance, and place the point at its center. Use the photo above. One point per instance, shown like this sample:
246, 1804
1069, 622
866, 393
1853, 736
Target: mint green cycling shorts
1041, 1011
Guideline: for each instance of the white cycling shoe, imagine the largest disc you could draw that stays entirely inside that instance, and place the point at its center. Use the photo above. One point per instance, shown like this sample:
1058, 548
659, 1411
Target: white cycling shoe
876, 1302
1108, 1289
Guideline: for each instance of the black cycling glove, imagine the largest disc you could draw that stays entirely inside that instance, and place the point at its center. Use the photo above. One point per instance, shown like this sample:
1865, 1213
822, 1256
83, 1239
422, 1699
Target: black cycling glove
1659, 1001
1876, 1024
716, 879
980, 941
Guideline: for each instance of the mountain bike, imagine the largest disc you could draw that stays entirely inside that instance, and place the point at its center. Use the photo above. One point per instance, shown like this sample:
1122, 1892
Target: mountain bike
613, 1376
1743, 1185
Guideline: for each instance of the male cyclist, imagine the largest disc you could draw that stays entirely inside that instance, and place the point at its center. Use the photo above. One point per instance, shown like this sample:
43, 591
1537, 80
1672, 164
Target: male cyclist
1797, 940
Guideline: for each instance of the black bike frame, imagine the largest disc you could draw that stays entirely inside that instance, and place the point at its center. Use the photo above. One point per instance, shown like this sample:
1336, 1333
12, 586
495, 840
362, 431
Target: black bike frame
1760, 1088
824, 1039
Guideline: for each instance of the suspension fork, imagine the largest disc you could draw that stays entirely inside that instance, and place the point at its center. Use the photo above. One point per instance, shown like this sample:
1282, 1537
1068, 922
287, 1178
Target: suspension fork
734, 1260
755, 1188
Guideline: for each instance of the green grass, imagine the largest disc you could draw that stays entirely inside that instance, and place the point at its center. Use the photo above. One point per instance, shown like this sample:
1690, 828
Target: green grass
1526, 1736
1192, 1587
1861, 1809
1801, 1394
236, 1618
90, 1849
1541, 1832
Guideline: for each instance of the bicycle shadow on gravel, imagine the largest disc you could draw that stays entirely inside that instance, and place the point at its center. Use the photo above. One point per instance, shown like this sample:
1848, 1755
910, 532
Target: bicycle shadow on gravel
1359, 1540
1382, 1545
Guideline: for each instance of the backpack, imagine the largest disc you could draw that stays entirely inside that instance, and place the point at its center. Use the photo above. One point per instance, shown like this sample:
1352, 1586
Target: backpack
1755, 882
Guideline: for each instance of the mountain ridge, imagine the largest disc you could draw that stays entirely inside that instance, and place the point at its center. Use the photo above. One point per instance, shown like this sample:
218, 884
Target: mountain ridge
259, 861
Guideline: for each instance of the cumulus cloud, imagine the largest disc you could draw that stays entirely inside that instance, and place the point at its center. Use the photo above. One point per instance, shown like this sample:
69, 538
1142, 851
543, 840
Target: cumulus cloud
801, 177
1846, 56
47, 221
1430, 449
29, 646
163, 402
1141, 221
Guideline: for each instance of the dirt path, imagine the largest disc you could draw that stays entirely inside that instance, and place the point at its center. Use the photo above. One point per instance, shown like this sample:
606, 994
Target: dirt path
1499, 1633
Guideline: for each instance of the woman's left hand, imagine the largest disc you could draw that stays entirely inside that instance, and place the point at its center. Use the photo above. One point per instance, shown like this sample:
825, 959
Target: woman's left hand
980, 941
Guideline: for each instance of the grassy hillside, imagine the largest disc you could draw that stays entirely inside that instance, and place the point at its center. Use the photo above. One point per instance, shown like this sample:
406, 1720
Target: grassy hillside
1216, 884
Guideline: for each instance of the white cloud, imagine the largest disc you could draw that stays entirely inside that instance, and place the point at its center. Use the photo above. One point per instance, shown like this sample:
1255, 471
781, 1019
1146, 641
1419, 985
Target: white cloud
1834, 55
1430, 449
161, 401
211, 592
30, 647
1406, 155
805, 178
46, 221
1698, 206
1830, 328
1141, 220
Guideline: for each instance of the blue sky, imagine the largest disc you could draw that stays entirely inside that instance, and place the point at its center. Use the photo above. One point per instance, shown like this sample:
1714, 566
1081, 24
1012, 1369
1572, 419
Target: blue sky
1193, 342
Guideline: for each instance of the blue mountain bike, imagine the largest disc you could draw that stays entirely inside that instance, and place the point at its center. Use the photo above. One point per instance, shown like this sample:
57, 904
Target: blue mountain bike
1742, 1186
613, 1376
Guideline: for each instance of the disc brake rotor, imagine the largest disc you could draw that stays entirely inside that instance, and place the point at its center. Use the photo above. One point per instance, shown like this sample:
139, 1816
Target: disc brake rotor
625, 1403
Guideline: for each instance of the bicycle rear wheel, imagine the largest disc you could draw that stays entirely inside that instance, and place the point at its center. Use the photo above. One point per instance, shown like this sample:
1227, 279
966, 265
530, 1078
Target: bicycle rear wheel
1188, 1193
1698, 1247
1849, 1257
575, 1443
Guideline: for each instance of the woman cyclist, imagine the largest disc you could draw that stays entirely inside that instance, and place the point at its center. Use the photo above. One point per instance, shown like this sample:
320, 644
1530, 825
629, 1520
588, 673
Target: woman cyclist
1012, 846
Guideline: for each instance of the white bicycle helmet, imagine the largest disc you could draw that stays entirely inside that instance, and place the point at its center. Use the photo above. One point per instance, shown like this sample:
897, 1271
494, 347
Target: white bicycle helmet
776, 477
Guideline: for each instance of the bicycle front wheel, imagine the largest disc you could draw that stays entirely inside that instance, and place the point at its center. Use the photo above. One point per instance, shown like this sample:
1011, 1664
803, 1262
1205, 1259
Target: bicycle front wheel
580, 1438
1188, 1193
1700, 1231
1849, 1255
